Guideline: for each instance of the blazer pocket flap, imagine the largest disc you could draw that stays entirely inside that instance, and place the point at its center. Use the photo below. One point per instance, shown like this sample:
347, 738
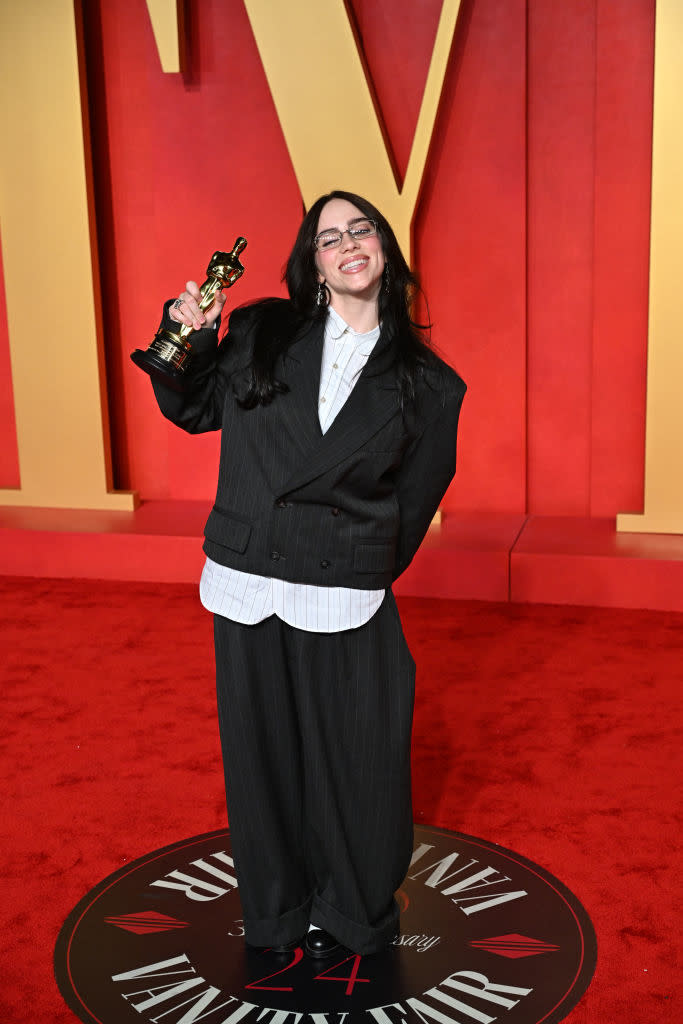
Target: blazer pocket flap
227, 529
374, 557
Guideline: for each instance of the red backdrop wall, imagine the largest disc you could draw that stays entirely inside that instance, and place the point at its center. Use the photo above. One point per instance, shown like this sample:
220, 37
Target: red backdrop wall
531, 234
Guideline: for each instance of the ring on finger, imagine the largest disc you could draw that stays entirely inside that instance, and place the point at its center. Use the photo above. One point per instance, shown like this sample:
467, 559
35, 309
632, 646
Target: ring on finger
178, 303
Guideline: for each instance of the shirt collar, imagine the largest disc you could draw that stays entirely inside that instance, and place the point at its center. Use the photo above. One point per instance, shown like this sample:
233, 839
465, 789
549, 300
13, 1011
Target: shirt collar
335, 327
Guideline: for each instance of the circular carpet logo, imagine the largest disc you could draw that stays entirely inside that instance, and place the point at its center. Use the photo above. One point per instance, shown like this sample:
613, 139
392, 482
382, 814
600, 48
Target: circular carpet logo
486, 935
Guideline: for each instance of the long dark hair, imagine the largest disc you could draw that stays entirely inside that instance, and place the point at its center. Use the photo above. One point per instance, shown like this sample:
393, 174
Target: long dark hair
406, 342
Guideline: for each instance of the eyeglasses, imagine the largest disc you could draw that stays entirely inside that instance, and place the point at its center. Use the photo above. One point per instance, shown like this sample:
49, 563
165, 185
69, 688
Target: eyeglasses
332, 238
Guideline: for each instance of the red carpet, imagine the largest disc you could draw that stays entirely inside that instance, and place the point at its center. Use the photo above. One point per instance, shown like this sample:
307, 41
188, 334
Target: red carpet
553, 731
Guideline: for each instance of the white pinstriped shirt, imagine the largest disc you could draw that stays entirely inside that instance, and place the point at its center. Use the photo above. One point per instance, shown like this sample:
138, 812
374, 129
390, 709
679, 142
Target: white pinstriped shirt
247, 598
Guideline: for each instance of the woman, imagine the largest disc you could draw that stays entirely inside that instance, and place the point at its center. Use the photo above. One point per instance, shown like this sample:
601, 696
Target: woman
338, 442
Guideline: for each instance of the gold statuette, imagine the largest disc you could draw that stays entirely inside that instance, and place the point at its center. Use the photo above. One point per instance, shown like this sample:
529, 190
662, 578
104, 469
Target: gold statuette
167, 357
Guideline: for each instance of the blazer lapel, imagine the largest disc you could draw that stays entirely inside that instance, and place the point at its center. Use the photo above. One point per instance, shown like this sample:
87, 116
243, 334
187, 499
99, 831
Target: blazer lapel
300, 371
373, 401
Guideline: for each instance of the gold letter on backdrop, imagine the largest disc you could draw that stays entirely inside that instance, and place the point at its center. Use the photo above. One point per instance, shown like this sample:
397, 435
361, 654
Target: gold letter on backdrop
51, 272
165, 16
664, 423
328, 119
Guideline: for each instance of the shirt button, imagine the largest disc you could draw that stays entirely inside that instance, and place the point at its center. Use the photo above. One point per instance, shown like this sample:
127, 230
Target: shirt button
323, 399
275, 555
334, 511
325, 564
335, 366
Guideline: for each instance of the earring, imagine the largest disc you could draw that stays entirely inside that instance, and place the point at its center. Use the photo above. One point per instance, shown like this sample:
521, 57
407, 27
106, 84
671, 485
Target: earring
320, 297
386, 276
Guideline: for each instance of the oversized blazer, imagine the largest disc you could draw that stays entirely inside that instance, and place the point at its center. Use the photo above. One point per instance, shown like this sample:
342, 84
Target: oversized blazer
345, 508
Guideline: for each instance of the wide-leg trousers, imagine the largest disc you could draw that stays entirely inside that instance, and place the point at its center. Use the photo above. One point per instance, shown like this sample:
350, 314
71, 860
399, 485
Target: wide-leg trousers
315, 732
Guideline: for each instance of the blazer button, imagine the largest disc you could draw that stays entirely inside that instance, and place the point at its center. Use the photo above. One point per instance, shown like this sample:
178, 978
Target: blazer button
275, 555
325, 564
334, 511
281, 503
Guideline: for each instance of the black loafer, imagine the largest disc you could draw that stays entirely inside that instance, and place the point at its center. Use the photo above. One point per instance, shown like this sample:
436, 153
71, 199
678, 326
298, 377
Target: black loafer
319, 944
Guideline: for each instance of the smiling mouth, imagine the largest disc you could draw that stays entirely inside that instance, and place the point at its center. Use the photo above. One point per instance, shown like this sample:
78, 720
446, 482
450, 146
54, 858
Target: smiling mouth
353, 265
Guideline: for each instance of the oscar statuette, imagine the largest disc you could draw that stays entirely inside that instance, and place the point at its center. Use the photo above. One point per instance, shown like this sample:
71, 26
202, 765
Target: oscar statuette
168, 355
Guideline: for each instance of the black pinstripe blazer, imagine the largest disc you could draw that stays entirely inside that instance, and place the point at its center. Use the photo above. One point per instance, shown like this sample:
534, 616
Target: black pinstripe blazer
346, 508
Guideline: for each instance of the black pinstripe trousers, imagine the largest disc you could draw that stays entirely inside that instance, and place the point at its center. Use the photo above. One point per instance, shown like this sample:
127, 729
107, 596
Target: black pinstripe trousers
315, 731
